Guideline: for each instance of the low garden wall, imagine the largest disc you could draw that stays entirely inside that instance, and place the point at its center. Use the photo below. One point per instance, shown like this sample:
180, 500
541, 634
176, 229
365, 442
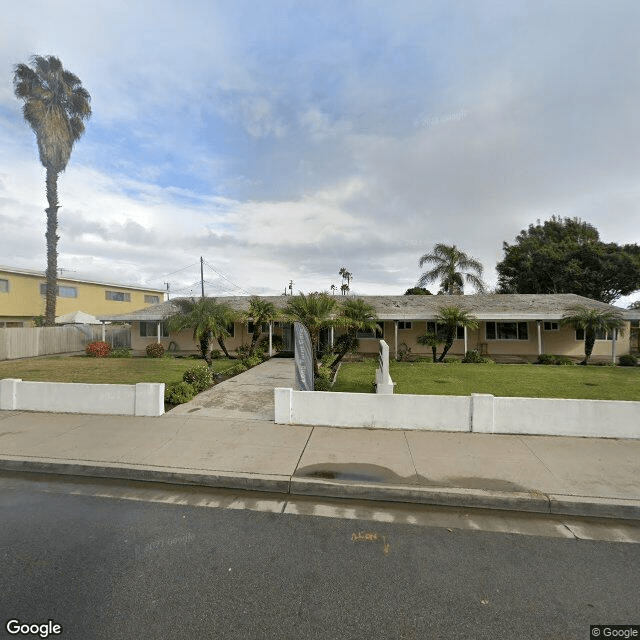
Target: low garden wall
481, 413
142, 399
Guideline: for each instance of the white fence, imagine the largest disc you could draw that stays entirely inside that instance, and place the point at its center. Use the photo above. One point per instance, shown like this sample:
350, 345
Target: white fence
28, 342
480, 413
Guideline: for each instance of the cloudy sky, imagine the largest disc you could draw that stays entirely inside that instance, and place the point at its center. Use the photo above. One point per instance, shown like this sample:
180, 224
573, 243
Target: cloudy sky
285, 140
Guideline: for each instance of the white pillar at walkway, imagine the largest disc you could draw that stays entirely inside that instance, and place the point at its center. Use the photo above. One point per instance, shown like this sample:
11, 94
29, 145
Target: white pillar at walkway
331, 336
465, 341
395, 342
539, 324
613, 346
104, 331
270, 339
159, 331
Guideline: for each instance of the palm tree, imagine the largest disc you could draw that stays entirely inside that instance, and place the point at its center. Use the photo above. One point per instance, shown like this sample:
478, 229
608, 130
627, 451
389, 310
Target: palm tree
432, 340
452, 318
355, 315
55, 105
592, 322
452, 268
260, 311
207, 318
346, 276
315, 312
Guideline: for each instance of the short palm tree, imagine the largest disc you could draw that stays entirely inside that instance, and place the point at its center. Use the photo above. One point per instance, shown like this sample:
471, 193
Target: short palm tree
55, 106
355, 315
433, 340
452, 268
259, 312
207, 318
592, 322
451, 318
315, 311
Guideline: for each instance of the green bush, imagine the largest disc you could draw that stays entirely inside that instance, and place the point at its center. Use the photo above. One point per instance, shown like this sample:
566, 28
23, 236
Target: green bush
564, 361
199, 377
216, 354
155, 350
178, 392
322, 384
475, 358
404, 352
628, 360
97, 349
251, 362
546, 358
120, 352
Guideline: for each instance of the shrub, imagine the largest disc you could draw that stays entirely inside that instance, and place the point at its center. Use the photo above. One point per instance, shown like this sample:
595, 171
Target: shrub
120, 352
628, 360
155, 350
475, 358
322, 384
404, 352
215, 354
178, 392
564, 361
199, 377
98, 349
243, 351
546, 358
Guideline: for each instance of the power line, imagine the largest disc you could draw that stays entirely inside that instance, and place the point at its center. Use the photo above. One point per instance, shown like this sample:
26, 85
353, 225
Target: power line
227, 279
179, 270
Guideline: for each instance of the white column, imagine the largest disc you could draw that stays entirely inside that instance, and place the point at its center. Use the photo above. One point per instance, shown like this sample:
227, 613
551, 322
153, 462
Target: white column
104, 332
465, 340
270, 339
539, 324
613, 346
331, 336
395, 324
159, 330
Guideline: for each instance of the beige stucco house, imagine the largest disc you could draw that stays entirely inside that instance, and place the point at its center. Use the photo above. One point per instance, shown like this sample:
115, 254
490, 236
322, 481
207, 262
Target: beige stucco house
512, 327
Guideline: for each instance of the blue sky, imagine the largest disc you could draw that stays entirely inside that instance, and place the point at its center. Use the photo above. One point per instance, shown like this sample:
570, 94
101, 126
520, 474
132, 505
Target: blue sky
284, 140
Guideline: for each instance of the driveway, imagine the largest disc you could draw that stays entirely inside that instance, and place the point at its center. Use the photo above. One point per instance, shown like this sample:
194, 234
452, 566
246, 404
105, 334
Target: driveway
248, 396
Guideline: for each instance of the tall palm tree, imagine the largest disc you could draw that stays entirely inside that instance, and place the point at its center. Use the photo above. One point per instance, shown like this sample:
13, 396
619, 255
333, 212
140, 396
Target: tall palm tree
207, 318
55, 105
260, 311
315, 312
355, 315
452, 318
452, 268
592, 322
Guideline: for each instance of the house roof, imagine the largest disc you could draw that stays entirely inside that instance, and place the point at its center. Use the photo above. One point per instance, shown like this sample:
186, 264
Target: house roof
77, 317
482, 306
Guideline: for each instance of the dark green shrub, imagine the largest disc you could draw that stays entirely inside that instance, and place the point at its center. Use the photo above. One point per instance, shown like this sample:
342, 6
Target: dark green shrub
564, 361
199, 377
546, 358
475, 358
215, 354
178, 392
120, 352
322, 384
243, 351
404, 352
628, 360
155, 350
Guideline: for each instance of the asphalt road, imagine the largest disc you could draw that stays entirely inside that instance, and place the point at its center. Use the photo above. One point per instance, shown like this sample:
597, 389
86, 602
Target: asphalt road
109, 560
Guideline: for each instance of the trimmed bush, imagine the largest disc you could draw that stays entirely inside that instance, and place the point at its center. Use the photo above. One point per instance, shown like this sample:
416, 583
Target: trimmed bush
120, 352
155, 350
199, 377
475, 358
97, 349
546, 358
215, 354
628, 360
178, 392
322, 384
564, 361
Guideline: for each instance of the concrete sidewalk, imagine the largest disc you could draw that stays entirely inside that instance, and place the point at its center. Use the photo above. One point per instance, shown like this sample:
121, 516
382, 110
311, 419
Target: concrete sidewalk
226, 437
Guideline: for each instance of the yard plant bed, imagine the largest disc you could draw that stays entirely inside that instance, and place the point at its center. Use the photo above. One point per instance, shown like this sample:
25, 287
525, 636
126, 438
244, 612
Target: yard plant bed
104, 370
505, 380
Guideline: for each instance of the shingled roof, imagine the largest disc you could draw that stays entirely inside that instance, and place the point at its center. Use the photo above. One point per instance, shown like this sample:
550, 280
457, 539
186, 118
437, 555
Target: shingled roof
482, 306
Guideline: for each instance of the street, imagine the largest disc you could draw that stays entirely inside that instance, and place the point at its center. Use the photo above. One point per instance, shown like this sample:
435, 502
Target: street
110, 559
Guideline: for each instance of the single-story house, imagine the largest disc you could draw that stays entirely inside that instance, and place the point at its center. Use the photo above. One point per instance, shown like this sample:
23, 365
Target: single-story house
512, 327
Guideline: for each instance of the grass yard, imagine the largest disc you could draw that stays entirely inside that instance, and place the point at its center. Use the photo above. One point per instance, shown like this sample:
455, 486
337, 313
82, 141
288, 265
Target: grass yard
103, 370
507, 380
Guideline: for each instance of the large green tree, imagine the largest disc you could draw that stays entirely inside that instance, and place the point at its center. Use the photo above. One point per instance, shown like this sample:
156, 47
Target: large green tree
566, 255
260, 311
592, 322
55, 107
354, 315
452, 268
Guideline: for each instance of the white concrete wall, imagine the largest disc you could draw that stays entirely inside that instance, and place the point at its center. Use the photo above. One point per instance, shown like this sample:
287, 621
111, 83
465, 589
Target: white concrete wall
482, 413
144, 399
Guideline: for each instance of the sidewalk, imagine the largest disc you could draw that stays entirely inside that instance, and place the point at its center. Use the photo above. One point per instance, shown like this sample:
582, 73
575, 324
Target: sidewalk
226, 437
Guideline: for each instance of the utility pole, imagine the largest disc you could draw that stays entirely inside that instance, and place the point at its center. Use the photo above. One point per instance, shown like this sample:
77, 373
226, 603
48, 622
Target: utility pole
202, 277
291, 286
168, 297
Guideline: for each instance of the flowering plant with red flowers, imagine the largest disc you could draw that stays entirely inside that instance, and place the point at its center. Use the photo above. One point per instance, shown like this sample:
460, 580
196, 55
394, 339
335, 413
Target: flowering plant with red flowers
98, 349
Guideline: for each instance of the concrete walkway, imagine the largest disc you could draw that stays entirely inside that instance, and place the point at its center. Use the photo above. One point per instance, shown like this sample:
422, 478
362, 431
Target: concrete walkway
226, 437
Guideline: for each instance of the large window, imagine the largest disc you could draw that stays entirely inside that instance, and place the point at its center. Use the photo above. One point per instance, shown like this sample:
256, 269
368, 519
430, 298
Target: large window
151, 299
440, 329
150, 330
600, 335
118, 296
61, 291
507, 331
372, 334
404, 324
4, 286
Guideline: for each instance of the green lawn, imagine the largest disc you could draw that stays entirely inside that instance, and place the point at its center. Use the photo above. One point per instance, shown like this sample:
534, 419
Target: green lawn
103, 370
524, 380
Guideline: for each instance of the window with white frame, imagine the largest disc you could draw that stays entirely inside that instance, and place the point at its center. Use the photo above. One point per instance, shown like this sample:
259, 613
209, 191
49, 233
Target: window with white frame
440, 329
600, 335
404, 324
551, 326
118, 296
151, 299
61, 291
507, 330
149, 329
4, 286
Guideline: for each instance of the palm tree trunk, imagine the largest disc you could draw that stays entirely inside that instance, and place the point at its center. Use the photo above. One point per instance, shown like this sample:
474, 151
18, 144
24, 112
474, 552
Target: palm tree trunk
257, 332
589, 341
52, 247
224, 349
447, 345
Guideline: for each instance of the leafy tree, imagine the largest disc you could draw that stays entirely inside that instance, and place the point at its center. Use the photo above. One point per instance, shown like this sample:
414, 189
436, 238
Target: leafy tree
315, 311
592, 322
55, 106
566, 255
432, 340
260, 311
417, 291
207, 318
452, 268
355, 315
451, 318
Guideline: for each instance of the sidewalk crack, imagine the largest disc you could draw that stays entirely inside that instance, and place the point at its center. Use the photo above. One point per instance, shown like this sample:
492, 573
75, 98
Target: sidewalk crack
413, 462
300, 458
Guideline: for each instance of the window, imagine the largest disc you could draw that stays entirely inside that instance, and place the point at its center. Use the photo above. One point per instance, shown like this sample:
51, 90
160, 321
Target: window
118, 296
403, 324
440, 329
600, 335
507, 331
372, 334
4, 286
152, 299
551, 326
8, 324
150, 330
251, 327
61, 291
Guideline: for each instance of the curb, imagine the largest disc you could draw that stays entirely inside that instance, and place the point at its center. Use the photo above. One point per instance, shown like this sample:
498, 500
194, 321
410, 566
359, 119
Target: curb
533, 502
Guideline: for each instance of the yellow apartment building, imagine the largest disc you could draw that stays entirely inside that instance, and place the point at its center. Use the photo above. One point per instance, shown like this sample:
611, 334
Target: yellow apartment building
22, 297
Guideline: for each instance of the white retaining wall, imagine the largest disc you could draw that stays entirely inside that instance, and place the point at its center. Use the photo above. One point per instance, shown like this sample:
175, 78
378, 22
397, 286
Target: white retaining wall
482, 413
143, 399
